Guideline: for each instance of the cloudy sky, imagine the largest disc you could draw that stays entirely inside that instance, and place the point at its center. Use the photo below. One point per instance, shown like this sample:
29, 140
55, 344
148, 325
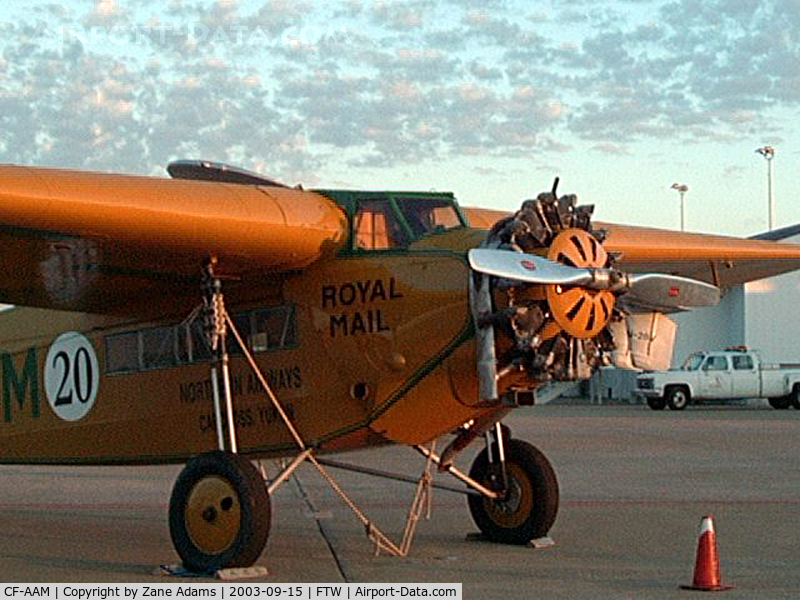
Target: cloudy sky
488, 99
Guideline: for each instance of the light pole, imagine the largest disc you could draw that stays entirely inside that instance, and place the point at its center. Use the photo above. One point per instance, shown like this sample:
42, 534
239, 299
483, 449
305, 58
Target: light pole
682, 189
768, 152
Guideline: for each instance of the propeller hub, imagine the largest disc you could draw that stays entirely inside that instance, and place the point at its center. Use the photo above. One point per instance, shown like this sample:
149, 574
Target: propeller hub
577, 248
580, 311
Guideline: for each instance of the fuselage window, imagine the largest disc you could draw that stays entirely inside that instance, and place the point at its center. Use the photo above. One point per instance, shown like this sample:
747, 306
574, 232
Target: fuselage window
122, 352
242, 323
197, 347
273, 328
158, 347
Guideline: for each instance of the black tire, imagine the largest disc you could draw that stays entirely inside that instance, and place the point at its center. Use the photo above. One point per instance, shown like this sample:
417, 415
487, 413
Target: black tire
781, 402
656, 403
219, 512
795, 397
531, 504
677, 397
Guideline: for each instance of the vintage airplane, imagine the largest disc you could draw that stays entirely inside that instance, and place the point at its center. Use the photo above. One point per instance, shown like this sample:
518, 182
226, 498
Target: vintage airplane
349, 319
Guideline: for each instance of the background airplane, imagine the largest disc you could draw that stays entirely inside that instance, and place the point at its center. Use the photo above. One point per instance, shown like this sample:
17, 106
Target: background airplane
365, 318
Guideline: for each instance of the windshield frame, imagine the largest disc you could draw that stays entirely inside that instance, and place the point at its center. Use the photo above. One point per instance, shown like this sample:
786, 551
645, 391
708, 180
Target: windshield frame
693, 361
411, 207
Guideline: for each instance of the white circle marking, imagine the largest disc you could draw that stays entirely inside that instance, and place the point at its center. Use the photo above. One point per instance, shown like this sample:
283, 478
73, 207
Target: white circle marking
71, 376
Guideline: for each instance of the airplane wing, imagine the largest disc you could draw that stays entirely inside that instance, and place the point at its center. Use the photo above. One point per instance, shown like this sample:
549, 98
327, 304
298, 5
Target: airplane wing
133, 245
720, 260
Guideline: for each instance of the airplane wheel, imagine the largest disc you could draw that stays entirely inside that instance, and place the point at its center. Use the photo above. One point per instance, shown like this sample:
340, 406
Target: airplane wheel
530, 505
677, 398
219, 512
656, 403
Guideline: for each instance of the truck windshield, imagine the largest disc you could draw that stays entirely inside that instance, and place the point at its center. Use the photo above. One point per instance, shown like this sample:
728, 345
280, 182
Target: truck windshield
693, 362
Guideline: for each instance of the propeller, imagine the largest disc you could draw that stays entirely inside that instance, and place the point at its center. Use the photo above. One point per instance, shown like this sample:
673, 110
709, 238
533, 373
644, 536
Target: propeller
656, 289
581, 288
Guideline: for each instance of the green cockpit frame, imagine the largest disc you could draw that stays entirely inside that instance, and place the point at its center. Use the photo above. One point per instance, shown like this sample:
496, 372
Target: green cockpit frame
385, 221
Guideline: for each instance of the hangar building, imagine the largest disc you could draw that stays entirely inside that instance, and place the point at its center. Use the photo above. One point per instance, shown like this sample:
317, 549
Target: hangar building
764, 315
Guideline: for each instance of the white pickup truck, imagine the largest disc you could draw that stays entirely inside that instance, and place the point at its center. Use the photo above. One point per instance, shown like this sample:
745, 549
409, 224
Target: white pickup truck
719, 375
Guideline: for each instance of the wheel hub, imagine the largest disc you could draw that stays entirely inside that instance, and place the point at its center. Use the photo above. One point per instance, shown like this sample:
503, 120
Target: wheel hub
511, 501
517, 504
213, 515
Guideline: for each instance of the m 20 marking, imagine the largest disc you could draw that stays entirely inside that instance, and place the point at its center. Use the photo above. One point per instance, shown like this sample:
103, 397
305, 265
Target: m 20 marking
71, 376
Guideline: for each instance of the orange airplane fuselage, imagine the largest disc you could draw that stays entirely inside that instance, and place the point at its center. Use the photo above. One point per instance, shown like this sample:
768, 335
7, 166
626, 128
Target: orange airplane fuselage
357, 349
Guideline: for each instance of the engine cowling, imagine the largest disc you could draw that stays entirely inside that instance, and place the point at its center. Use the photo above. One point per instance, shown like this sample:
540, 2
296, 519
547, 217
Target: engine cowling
546, 297
551, 331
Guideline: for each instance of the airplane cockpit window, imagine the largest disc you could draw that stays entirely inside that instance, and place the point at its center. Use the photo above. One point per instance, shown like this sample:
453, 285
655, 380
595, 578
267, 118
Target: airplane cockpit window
375, 226
425, 215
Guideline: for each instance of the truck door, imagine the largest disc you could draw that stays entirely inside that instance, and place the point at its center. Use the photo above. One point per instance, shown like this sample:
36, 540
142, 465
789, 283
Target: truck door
744, 377
715, 377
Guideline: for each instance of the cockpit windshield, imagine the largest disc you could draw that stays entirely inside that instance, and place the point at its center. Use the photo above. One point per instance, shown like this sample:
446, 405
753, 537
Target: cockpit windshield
395, 220
427, 215
376, 227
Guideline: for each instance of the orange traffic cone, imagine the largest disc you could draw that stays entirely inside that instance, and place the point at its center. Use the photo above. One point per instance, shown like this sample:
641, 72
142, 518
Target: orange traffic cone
706, 566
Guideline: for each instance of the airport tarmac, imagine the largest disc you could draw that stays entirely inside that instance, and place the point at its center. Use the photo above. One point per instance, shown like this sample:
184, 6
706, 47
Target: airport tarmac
634, 486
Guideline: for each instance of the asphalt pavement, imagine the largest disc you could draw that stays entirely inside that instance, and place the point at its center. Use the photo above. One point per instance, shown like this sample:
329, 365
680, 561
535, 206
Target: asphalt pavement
634, 484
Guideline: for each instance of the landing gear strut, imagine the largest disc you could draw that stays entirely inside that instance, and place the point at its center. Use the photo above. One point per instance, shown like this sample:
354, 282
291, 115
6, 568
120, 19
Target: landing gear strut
220, 514
219, 511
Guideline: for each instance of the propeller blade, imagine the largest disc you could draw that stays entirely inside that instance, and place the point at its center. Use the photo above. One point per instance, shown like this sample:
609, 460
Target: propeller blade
670, 291
654, 290
529, 268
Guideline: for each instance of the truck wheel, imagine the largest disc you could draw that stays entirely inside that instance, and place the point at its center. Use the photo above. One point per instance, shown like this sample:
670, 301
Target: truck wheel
795, 396
656, 403
677, 398
781, 402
